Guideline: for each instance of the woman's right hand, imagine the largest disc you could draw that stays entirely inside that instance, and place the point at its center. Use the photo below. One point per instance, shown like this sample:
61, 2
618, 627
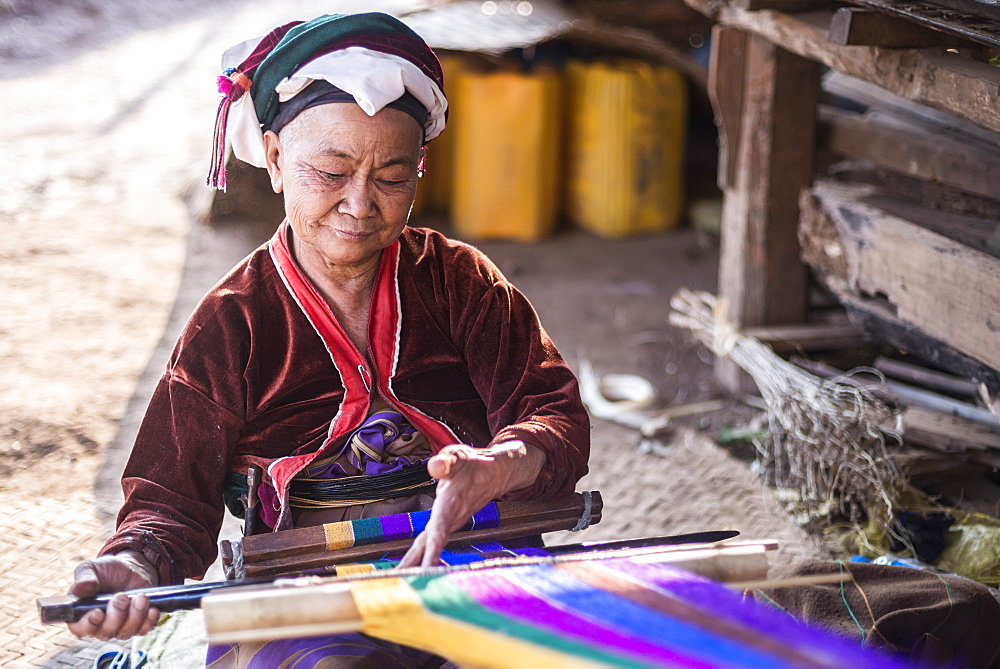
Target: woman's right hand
124, 617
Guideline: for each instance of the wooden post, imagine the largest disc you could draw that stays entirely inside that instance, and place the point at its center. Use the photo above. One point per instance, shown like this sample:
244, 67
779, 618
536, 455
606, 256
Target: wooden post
761, 277
725, 89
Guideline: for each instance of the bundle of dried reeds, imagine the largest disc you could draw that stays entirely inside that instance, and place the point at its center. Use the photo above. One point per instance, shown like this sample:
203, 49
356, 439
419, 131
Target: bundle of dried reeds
827, 436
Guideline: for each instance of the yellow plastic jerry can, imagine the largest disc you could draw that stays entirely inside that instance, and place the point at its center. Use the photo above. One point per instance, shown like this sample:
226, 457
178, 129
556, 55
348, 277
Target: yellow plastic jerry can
625, 147
507, 138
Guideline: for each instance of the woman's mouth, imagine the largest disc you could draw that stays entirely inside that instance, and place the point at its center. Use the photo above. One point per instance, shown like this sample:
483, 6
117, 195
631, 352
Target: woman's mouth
353, 235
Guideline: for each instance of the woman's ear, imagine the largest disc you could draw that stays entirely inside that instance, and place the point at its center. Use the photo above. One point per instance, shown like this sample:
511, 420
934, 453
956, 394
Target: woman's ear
273, 155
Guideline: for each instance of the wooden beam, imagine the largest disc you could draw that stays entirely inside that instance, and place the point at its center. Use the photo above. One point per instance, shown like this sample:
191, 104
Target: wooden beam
853, 26
761, 278
725, 90
810, 337
927, 194
914, 148
967, 88
640, 42
927, 378
987, 9
950, 434
931, 282
790, 6
878, 320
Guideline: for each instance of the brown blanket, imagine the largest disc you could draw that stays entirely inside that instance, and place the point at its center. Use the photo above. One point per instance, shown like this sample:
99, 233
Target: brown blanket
933, 619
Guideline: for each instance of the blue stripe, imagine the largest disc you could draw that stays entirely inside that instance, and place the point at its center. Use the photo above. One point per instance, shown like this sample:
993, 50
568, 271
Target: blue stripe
608, 610
488, 516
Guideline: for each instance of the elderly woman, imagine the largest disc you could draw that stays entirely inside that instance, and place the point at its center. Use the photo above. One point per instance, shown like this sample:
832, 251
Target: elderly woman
345, 320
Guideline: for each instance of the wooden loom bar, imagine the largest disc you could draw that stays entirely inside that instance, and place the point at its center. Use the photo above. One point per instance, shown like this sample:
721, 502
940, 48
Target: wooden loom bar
313, 539
323, 559
67, 608
286, 611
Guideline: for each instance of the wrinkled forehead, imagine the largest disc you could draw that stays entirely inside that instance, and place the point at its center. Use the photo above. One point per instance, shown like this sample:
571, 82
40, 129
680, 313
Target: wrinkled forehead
345, 129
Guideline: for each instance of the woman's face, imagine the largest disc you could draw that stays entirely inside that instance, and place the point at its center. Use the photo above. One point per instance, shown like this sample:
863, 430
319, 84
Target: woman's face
348, 180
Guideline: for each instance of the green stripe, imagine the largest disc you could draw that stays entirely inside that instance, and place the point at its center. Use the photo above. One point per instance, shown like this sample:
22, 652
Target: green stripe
367, 531
443, 596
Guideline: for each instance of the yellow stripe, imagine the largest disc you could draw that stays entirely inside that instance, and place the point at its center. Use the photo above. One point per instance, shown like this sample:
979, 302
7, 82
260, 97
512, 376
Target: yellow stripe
356, 568
339, 535
391, 610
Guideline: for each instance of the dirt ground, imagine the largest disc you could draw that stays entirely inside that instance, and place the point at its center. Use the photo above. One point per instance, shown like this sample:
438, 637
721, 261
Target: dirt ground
108, 108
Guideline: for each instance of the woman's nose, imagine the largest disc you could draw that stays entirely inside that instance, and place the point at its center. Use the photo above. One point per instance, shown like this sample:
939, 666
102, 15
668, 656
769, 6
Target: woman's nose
357, 200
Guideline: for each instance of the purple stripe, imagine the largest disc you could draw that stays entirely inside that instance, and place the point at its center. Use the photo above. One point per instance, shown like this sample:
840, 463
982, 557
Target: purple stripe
493, 591
397, 526
263, 48
309, 652
827, 648
216, 653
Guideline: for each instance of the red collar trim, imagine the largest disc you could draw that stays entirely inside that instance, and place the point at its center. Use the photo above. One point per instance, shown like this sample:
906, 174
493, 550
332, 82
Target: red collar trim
384, 328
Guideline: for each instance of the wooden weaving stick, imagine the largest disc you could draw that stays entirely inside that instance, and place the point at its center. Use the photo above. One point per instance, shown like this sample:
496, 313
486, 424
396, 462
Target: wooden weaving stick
67, 608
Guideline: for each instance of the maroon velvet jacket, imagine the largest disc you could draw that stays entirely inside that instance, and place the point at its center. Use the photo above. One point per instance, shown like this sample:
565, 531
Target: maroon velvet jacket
263, 374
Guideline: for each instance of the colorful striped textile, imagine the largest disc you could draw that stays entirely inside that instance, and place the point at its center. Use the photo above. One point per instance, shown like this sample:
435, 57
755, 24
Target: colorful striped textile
367, 531
619, 612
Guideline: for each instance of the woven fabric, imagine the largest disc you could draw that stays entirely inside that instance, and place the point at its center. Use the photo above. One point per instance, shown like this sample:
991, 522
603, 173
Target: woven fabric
628, 614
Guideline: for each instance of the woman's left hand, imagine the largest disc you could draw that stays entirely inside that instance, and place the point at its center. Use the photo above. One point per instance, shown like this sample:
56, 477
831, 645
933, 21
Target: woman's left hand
469, 479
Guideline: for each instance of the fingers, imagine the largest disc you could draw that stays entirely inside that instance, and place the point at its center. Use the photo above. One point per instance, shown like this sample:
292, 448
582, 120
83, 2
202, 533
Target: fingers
433, 546
85, 580
152, 619
135, 617
468, 479
440, 466
124, 618
416, 552
88, 625
116, 616
426, 549
450, 460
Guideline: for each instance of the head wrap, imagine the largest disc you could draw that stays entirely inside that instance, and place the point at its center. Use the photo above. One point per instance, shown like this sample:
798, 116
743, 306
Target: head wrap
321, 92
374, 58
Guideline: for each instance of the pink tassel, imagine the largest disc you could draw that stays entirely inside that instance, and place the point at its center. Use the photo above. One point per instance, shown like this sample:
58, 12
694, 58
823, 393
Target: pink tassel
225, 85
232, 88
217, 171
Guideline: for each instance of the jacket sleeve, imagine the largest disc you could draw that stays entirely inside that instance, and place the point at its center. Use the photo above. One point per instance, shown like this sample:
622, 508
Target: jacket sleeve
173, 506
529, 391
173, 481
